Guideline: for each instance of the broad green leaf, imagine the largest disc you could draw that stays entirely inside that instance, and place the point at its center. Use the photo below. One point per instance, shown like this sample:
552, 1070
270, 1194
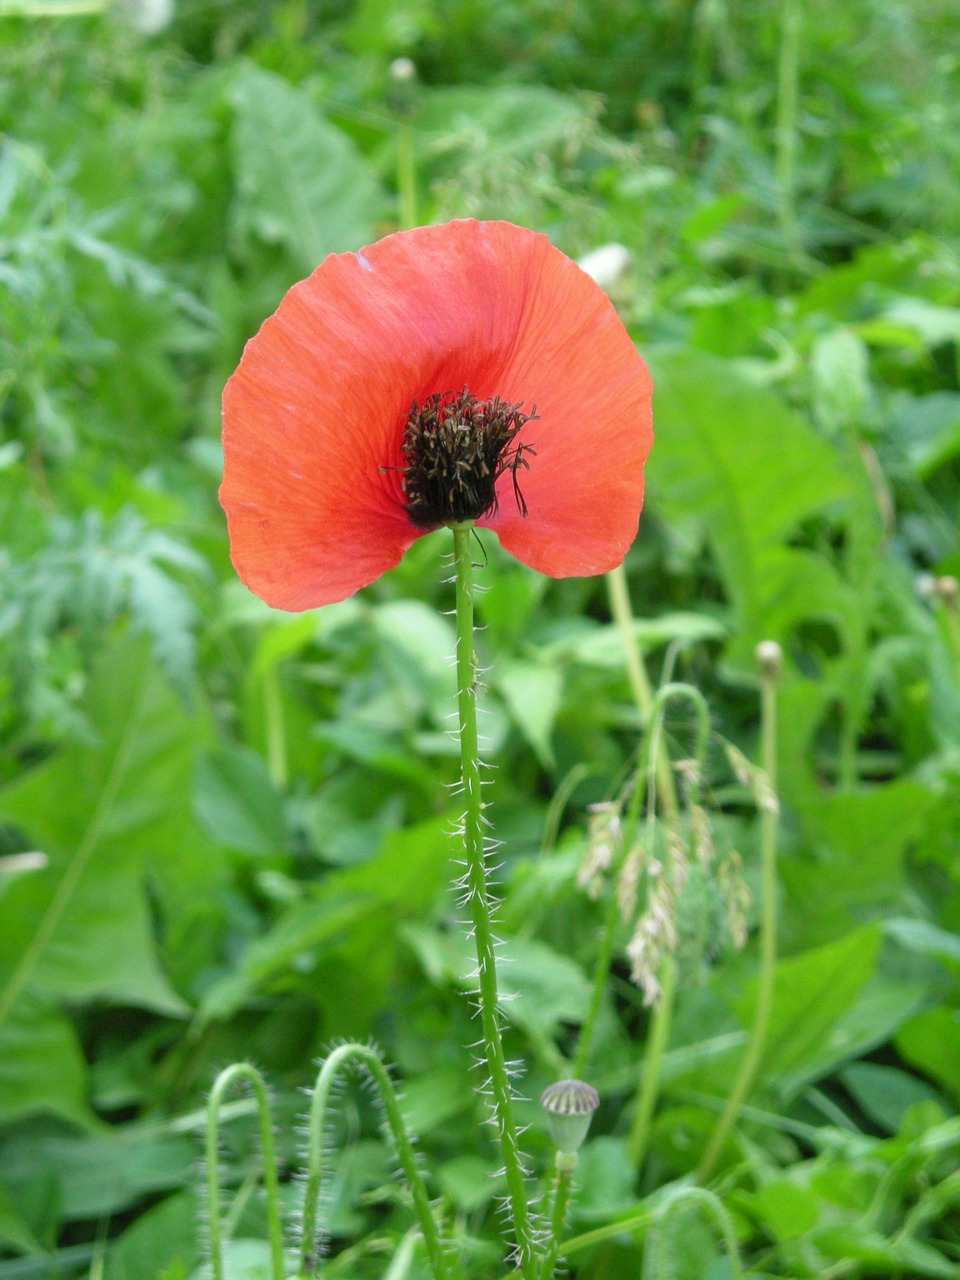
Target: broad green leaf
834, 884
237, 803
352, 916
105, 1173
886, 1093
532, 692
602, 646
811, 992
736, 459
161, 1238
102, 814
931, 1043
607, 1180
467, 1180
41, 1064
925, 939
841, 379
417, 649
301, 182
14, 1232
541, 988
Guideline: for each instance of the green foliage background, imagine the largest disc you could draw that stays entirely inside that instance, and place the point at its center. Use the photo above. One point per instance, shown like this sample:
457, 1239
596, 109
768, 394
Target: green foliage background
243, 816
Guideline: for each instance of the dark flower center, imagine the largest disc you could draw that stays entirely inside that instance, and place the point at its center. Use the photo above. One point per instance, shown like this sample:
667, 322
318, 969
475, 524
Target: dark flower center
455, 448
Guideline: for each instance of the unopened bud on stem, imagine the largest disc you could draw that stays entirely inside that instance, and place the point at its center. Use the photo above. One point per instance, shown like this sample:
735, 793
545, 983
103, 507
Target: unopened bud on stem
769, 657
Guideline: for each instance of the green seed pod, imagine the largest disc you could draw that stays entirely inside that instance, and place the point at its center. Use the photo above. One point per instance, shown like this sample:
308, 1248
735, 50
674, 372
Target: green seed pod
570, 1105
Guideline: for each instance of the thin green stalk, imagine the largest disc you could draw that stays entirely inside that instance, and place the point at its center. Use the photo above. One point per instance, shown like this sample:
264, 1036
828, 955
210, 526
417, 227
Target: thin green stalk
640, 686
370, 1059
788, 85
623, 616
563, 1185
478, 896
646, 1100
242, 1071
660, 1023
406, 174
601, 970
768, 923
273, 722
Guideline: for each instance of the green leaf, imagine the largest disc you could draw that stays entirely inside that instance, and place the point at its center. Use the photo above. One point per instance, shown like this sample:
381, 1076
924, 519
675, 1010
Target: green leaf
931, 1043
301, 183
105, 1173
835, 884
602, 646
160, 1239
13, 1230
504, 121
41, 1064
811, 992
734, 458
101, 815
886, 1093
532, 692
237, 803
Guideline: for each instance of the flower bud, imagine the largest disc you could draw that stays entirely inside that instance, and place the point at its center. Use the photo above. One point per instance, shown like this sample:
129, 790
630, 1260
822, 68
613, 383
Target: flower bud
769, 657
947, 588
403, 87
570, 1105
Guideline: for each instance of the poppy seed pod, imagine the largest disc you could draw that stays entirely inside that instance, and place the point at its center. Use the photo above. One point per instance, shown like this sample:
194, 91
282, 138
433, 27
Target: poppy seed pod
570, 1105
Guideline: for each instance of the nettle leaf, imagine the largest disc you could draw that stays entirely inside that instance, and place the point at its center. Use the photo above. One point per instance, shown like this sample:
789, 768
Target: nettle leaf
103, 815
301, 182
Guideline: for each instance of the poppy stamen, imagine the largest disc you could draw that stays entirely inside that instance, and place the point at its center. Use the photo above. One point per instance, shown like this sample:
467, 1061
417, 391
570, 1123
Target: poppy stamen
455, 448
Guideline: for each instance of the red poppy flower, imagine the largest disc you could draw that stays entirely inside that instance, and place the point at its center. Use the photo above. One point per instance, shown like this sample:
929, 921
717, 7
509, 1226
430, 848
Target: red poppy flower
461, 372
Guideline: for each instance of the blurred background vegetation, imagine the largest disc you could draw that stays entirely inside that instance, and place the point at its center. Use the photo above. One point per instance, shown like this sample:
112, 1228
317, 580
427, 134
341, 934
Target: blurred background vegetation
226, 829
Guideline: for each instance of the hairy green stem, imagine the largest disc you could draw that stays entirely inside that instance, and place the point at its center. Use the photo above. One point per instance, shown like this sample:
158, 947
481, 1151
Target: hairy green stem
563, 1184
342, 1057
657, 1265
478, 896
242, 1071
768, 929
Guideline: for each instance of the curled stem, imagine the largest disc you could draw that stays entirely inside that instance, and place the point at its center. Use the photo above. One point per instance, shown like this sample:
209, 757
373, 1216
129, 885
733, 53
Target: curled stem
657, 1265
478, 896
224, 1081
342, 1057
768, 929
